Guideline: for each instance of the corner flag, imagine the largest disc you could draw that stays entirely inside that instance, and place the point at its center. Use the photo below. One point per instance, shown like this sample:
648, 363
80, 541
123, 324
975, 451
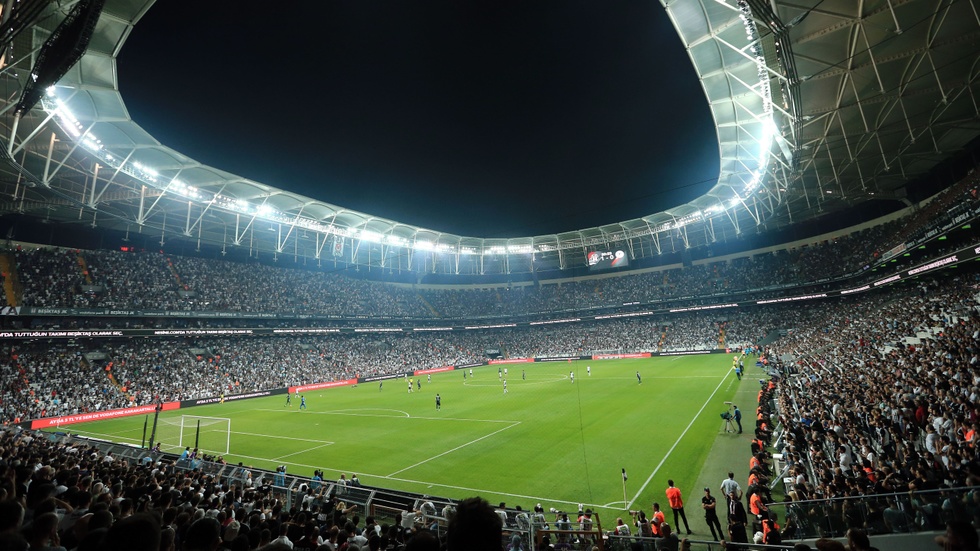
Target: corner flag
624, 475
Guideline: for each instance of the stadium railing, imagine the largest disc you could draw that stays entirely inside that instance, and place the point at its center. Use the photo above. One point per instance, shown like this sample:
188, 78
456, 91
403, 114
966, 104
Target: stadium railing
897, 513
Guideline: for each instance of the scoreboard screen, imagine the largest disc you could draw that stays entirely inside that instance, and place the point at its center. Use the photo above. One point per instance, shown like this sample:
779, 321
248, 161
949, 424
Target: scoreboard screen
607, 260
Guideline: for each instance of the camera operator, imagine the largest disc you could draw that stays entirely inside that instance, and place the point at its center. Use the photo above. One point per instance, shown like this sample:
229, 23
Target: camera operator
642, 524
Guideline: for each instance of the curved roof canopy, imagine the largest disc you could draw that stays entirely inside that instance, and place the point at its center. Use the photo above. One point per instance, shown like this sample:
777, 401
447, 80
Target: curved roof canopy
819, 105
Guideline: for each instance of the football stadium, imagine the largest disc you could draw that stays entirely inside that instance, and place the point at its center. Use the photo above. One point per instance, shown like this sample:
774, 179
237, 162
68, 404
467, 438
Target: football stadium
787, 357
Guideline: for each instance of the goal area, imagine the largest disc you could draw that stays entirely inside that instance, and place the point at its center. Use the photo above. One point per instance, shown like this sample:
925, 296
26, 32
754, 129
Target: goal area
207, 434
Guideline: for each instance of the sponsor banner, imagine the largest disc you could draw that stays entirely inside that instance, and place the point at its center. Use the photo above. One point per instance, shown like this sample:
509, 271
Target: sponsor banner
465, 366
319, 386
894, 251
693, 352
59, 334
381, 377
10, 311
434, 370
48, 422
231, 398
562, 358
200, 332
307, 331
512, 361
621, 356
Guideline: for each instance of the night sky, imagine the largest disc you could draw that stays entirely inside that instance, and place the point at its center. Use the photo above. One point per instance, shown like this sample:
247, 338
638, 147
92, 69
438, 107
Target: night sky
488, 119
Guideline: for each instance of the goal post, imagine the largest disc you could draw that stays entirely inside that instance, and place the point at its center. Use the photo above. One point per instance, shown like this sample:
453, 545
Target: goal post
208, 434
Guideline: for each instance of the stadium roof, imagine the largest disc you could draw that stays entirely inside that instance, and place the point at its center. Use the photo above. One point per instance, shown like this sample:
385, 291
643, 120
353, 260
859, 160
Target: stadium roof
819, 105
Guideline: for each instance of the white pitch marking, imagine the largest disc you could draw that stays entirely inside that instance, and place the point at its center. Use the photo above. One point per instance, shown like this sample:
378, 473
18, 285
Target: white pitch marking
678, 441
454, 449
109, 437
521, 382
303, 451
407, 416
345, 412
321, 442
325, 442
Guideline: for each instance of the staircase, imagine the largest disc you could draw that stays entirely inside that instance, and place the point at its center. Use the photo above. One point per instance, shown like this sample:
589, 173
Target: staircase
113, 381
84, 267
12, 287
173, 270
430, 307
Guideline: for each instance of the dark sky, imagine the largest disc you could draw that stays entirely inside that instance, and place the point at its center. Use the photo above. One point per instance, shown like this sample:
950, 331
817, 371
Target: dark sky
490, 119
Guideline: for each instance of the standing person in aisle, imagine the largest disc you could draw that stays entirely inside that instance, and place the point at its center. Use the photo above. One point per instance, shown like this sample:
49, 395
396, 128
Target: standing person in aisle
710, 506
677, 505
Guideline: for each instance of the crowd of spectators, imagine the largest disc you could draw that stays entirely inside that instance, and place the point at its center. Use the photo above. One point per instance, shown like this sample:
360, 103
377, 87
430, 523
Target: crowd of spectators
68, 495
912, 358
47, 378
910, 352
58, 377
74, 279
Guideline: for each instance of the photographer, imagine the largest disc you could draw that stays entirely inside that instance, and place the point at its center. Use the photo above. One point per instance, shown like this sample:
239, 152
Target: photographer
642, 524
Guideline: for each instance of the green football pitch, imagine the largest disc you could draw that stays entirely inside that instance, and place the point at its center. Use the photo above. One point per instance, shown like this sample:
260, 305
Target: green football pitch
549, 439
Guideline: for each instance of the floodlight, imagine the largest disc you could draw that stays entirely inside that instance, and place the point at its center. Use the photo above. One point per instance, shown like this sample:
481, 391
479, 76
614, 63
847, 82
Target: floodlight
368, 235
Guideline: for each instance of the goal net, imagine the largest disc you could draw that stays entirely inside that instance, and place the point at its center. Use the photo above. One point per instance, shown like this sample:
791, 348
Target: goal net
207, 434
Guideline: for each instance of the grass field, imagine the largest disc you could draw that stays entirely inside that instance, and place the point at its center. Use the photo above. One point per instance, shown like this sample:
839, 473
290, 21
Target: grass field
548, 440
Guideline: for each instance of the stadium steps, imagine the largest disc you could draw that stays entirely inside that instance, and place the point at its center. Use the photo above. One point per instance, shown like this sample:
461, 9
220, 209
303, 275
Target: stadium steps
12, 287
770, 338
173, 270
84, 267
113, 381
429, 306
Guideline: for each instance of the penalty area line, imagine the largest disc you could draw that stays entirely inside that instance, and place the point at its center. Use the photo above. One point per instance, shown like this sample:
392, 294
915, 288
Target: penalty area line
678, 441
302, 451
461, 446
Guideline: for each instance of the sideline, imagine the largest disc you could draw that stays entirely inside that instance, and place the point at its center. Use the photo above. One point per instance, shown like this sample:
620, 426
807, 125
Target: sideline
678, 441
